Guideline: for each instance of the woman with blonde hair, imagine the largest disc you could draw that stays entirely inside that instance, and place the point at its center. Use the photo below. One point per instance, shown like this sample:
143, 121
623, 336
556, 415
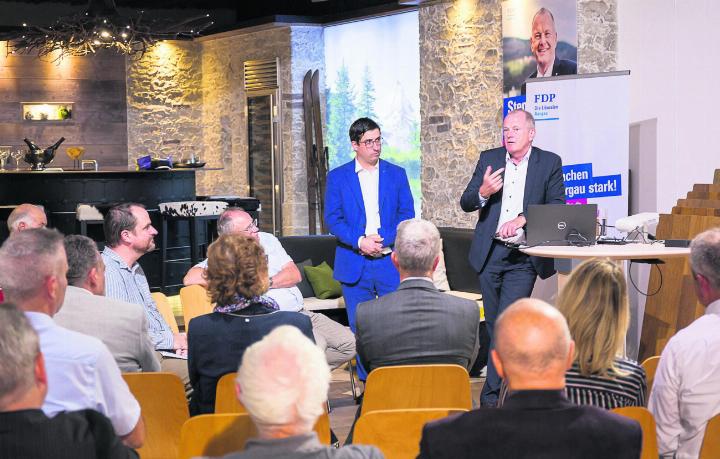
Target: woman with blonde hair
237, 276
595, 303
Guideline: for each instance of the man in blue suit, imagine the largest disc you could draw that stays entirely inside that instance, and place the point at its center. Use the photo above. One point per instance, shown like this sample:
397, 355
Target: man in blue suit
365, 201
531, 176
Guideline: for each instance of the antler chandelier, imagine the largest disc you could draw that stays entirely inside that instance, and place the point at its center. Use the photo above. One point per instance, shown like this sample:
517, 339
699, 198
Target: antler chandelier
101, 26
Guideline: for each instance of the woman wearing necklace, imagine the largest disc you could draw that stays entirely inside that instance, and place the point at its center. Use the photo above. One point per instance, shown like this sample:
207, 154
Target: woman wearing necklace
237, 276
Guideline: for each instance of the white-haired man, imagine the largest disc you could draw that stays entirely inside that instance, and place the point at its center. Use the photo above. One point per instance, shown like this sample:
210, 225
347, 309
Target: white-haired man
120, 325
337, 341
283, 382
417, 323
686, 391
80, 369
28, 432
26, 216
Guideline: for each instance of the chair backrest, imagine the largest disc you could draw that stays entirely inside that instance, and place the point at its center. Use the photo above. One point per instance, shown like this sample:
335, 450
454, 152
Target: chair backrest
164, 409
215, 434
225, 399
417, 386
396, 432
710, 448
165, 309
647, 424
650, 366
226, 402
195, 302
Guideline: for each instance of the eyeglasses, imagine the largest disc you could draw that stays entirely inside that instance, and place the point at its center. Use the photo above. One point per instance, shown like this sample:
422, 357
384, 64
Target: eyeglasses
252, 227
370, 142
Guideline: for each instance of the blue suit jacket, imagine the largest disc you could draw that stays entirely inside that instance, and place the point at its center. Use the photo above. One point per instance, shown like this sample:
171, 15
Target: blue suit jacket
345, 213
543, 185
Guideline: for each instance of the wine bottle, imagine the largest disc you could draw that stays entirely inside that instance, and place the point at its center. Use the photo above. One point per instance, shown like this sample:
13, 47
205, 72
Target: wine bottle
32, 146
54, 146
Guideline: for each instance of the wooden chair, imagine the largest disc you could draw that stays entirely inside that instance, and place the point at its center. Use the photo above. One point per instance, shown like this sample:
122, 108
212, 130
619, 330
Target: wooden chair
215, 434
164, 410
650, 366
165, 309
227, 403
195, 302
397, 432
417, 386
647, 424
710, 448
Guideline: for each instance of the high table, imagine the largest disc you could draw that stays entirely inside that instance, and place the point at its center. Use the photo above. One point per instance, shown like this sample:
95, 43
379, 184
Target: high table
620, 253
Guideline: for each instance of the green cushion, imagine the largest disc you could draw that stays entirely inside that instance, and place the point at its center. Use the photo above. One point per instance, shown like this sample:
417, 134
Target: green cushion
321, 279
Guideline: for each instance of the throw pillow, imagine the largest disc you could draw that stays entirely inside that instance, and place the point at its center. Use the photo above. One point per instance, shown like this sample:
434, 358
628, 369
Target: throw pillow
323, 284
304, 285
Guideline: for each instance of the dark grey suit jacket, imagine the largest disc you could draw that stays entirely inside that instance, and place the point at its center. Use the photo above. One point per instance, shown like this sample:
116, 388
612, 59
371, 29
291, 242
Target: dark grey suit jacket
416, 324
533, 424
543, 185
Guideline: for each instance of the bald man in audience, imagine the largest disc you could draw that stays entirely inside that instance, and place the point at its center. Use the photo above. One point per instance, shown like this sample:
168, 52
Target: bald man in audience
686, 391
122, 326
26, 216
81, 372
27, 432
533, 351
283, 382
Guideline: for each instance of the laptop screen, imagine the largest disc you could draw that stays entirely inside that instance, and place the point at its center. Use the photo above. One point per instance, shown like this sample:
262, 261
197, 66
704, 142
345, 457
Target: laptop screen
561, 224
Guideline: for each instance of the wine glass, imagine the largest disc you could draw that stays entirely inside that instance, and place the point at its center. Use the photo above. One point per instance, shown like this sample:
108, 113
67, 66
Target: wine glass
17, 154
75, 153
4, 154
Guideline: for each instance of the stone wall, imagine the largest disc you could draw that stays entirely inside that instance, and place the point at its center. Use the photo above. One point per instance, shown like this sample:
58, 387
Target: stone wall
461, 90
164, 102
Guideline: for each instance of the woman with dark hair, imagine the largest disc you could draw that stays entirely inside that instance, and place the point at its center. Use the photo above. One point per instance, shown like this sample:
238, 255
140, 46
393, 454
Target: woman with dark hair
237, 277
595, 304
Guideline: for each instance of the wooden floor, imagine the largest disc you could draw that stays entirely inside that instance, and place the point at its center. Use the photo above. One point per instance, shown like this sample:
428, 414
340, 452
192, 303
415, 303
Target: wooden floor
343, 407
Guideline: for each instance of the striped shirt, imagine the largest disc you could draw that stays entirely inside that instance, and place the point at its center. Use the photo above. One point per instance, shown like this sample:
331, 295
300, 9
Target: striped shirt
628, 389
603, 392
129, 284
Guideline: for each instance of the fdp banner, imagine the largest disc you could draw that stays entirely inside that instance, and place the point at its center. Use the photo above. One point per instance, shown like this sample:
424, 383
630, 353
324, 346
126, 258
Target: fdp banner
585, 119
539, 40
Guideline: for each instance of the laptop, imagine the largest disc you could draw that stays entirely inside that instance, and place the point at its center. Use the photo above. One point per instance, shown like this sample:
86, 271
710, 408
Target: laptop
561, 224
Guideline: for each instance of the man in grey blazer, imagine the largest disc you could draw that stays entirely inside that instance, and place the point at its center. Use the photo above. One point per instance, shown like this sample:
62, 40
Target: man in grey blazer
417, 324
121, 326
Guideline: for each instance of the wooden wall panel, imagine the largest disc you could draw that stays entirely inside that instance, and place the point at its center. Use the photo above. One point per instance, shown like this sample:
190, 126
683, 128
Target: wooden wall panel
96, 87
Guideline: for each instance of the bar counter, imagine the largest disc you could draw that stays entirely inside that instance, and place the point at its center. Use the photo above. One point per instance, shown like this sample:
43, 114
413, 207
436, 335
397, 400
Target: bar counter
61, 191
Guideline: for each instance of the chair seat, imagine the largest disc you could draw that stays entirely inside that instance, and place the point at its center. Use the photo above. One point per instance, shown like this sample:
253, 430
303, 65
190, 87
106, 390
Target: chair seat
86, 212
192, 208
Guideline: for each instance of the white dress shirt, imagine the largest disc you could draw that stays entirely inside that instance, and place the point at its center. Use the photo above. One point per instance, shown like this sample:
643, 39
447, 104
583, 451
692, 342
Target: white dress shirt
82, 374
686, 391
370, 187
548, 72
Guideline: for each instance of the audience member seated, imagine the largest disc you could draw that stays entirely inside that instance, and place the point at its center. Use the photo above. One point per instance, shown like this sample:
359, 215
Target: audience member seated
533, 350
237, 277
81, 372
417, 323
121, 326
129, 234
337, 341
595, 304
26, 216
283, 382
26, 431
686, 391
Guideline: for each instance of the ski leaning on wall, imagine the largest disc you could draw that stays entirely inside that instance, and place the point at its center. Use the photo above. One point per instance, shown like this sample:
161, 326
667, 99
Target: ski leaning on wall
316, 153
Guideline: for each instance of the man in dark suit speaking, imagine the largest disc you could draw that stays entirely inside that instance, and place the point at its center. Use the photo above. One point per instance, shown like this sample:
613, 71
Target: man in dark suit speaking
531, 176
533, 352
417, 324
